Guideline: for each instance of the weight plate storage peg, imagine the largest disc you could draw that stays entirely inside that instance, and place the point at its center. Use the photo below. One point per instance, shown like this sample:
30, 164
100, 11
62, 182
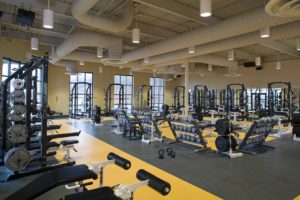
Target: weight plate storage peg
17, 134
18, 84
17, 158
17, 113
18, 96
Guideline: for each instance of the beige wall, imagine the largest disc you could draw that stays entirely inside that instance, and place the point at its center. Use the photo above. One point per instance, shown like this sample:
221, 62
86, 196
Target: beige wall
58, 87
251, 78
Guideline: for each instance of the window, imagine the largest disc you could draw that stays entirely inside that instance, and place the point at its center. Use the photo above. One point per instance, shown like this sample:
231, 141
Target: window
10, 66
127, 81
82, 89
158, 92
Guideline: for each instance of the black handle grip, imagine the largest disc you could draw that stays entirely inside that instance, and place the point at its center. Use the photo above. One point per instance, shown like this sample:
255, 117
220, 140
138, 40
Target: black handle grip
121, 162
155, 183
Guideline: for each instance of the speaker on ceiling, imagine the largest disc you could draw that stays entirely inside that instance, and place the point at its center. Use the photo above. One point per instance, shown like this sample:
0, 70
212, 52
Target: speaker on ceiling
249, 64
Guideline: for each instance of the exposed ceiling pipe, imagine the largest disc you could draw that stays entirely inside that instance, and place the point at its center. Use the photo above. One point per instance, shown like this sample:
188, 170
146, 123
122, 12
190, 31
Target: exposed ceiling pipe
290, 30
80, 12
253, 20
85, 38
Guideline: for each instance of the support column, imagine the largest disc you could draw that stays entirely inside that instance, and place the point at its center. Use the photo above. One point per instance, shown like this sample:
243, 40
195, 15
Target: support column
187, 87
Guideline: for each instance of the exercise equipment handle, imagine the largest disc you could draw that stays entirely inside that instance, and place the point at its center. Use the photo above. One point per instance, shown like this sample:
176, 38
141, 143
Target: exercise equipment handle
155, 183
121, 162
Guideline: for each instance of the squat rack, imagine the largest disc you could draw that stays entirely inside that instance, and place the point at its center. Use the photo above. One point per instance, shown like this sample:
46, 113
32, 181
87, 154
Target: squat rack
140, 97
109, 98
280, 99
236, 97
179, 97
74, 110
201, 97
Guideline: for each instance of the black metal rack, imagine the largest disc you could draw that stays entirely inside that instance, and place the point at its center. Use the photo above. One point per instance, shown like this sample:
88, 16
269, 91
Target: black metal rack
74, 106
109, 98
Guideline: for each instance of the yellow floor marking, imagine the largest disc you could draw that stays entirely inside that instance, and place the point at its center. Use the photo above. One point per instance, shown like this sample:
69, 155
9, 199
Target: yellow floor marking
91, 150
297, 198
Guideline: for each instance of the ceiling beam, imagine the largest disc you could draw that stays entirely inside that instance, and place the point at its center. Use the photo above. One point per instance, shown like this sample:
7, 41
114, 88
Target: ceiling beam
282, 48
244, 55
178, 10
154, 31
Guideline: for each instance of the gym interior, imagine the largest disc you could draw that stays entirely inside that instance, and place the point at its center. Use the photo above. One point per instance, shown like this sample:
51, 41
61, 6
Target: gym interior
149, 99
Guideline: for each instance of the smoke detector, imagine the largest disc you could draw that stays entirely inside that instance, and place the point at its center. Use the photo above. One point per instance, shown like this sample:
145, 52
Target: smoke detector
113, 61
283, 8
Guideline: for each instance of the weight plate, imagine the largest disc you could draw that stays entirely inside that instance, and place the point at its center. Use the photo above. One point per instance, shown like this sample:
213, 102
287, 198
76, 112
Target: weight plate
18, 84
17, 159
18, 96
17, 113
17, 134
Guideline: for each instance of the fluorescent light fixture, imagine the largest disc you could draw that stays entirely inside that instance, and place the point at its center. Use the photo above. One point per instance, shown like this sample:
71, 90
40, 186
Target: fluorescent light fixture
99, 52
192, 49
278, 65
146, 60
298, 44
136, 35
205, 8
100, 70
81, 62
202, 75
258, 61
48, 18
121, 67
231, 55
265, 32
34, 43
210, 67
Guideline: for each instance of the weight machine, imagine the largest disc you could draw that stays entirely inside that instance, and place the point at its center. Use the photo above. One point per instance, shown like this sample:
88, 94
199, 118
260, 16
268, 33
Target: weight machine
140, 97
108, 98
179, 97
16, 124
280, 100
74, 111
200, 98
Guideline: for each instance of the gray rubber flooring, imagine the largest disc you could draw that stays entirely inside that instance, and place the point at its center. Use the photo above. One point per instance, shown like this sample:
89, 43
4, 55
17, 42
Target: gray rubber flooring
272, 175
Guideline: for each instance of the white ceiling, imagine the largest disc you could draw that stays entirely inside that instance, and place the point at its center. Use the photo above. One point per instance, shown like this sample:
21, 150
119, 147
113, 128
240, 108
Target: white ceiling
155, 21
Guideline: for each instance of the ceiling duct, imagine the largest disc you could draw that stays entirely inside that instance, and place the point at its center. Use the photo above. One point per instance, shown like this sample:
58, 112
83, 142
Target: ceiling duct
283, 8
80, 10
92, 39
253, 20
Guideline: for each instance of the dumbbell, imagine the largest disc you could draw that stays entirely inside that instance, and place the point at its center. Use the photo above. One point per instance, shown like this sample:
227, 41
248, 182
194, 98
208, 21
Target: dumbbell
188, 137
183, 136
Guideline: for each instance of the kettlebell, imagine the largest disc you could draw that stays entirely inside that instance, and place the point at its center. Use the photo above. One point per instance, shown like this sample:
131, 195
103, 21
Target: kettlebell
161, 153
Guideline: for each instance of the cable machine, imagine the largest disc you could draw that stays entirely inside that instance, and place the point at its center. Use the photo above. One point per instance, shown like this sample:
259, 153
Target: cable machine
140, 97
236, 96
108, 98
179, 97
280, 100
200, 98
74, 110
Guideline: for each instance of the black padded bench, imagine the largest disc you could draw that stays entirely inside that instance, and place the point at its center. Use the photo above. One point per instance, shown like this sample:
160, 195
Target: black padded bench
38, 127
52, 179
103, 193
69, 142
